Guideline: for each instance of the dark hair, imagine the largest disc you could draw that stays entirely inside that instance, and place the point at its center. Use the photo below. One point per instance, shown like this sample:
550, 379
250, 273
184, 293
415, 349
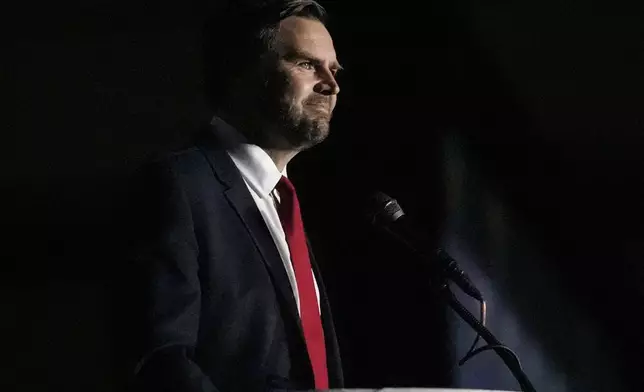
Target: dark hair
240, 37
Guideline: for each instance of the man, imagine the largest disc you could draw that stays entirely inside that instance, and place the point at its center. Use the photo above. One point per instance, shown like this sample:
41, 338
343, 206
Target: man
234, 300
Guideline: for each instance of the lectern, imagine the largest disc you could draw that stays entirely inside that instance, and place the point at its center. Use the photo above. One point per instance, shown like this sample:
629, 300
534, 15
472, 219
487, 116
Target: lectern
409, 390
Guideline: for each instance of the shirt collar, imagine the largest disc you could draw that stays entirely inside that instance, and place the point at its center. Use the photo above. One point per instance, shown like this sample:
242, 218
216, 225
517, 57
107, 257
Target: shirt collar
255, 165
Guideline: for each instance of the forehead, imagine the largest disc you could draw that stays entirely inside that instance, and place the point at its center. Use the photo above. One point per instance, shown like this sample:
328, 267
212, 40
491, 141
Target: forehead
297, 34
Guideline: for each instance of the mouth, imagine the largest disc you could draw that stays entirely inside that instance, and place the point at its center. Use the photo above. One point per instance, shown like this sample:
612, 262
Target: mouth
320, 108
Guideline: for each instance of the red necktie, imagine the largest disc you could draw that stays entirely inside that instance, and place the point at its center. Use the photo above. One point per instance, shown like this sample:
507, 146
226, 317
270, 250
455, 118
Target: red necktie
289, 212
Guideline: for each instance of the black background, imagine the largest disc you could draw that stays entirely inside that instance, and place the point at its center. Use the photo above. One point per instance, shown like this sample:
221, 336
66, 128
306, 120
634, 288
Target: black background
539, 103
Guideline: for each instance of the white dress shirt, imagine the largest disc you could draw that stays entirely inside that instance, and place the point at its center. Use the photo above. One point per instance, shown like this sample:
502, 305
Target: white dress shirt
261, 177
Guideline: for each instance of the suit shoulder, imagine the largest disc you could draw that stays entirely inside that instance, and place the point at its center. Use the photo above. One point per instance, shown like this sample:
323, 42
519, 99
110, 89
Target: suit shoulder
184, 163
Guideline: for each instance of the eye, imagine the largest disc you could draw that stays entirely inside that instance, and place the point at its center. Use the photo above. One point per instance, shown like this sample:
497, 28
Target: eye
307, 65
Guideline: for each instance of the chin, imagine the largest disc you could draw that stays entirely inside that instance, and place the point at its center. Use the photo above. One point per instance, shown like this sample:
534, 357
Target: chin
309, 134
319, 129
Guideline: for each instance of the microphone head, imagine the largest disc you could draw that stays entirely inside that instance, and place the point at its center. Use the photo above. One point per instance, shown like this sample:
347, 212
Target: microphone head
383, 210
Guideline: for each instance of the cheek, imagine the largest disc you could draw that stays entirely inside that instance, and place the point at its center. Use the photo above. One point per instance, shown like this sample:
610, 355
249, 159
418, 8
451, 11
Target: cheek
303, 93
300, 88
295, 94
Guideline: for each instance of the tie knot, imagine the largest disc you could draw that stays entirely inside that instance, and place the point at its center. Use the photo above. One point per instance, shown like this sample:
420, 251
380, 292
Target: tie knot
285, 187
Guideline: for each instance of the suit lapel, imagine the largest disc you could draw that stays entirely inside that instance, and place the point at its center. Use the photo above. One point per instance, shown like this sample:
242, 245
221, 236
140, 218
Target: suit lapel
242, 202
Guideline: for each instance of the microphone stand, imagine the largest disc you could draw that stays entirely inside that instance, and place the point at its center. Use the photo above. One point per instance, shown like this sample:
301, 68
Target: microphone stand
509, 360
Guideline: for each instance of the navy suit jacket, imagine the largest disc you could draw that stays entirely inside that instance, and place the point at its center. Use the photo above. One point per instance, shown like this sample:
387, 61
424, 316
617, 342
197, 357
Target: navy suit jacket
219, 313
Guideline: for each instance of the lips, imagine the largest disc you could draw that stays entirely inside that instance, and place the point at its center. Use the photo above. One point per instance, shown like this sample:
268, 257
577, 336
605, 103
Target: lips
320, 108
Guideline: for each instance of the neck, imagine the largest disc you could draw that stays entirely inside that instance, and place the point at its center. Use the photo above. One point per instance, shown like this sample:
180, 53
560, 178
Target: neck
280, 157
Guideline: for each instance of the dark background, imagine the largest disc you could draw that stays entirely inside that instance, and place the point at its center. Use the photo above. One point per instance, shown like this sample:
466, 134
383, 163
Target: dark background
511, 130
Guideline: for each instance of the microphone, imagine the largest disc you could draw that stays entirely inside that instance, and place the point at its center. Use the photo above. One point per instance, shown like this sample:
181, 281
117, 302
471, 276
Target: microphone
385, 213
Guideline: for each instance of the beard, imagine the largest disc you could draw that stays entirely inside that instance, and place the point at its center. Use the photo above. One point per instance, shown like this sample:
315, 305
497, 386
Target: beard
277, 120
306, 125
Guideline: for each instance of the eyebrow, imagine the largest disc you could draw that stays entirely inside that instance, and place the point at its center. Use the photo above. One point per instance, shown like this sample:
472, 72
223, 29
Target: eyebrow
303, 55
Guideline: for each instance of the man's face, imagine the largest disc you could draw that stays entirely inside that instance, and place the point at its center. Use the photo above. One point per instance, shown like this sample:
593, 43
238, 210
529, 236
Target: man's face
300, 90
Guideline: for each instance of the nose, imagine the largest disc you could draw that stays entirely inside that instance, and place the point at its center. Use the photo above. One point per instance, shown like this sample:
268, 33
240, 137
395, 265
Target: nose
327, 84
